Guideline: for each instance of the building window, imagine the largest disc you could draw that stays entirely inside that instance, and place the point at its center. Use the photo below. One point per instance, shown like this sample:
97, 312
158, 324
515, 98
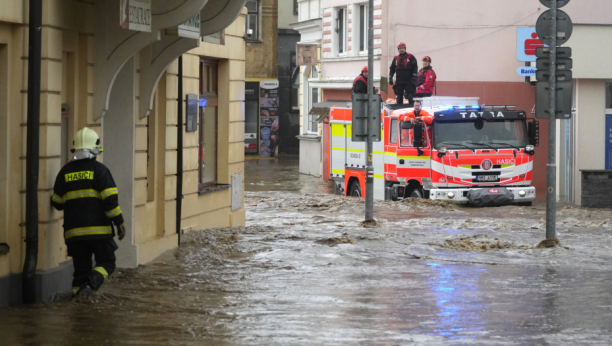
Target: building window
341, 29
295, 83
252, 19
295, 7
608, 95
363, 28
207, 143
314, 98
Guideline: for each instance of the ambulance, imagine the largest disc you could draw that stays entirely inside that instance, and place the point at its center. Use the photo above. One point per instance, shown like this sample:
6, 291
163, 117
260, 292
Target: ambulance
475, 154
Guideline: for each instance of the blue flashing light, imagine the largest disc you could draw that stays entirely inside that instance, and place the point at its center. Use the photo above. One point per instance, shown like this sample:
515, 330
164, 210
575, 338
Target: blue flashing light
445, 108
462, 107
475, 106
203, 102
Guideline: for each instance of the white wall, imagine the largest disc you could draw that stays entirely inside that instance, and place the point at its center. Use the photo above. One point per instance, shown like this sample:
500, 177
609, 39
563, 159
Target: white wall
591, 51
590, 129
285, 14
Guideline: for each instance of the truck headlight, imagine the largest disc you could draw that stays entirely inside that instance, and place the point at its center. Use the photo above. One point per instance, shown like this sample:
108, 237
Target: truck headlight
450, 195
522, 193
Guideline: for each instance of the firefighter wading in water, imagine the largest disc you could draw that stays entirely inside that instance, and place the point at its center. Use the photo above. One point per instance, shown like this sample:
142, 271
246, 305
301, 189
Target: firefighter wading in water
86, 192
406, 67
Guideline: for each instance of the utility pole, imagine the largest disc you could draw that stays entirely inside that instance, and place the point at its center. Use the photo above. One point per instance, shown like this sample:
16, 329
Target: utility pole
551, 168
369, 196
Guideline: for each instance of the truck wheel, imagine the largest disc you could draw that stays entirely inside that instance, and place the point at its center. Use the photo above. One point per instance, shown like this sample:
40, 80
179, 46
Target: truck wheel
416, 193
355, 190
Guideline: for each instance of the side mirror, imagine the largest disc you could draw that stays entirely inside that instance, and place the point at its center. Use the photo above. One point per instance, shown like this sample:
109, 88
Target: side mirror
406, 125
533, 131
419, 135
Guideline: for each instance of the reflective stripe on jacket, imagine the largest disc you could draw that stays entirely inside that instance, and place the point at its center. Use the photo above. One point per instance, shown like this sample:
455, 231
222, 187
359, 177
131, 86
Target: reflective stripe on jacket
86, 192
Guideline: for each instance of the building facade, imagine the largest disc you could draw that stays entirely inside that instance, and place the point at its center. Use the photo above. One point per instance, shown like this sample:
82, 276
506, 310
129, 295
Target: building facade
473, 45
124, 85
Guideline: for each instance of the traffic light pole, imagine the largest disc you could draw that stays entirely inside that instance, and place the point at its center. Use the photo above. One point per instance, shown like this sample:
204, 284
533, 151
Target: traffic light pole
551, 168
369, 190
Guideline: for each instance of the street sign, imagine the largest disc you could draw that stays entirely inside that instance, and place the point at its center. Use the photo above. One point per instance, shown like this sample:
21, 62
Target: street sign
562, 64
526, 71
560, 3
563, 100
360, 120
562, 52
564, 27
562, 75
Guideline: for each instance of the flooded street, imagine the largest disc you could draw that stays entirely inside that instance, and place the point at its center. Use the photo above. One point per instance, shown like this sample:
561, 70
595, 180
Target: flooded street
304, 271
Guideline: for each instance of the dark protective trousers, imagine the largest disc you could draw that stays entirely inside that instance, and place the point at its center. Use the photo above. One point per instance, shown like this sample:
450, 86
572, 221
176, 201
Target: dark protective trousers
81, 251
404, 88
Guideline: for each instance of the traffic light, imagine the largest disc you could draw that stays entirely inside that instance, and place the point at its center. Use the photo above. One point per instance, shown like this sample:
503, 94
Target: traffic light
563, 75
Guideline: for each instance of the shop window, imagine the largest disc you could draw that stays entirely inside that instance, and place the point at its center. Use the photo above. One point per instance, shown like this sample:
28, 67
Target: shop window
208, 121
363, 28
342, 29
252, 19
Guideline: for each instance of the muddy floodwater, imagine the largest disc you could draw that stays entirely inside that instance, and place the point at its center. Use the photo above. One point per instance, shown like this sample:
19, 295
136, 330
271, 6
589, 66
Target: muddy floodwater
305, 271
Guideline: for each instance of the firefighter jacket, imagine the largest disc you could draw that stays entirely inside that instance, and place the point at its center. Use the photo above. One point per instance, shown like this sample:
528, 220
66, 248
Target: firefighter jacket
360, 85
86, 192
426, 81
406, 67
423, 115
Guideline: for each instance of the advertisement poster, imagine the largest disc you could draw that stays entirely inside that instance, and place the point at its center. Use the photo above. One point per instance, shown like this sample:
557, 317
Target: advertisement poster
268, 118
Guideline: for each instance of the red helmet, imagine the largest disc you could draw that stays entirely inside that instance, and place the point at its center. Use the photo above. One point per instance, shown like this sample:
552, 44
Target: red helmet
401, 45
428, 59
364, 69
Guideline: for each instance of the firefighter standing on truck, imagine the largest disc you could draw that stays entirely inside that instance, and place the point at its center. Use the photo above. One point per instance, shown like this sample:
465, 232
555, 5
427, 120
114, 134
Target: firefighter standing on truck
85, 190
360, 84
426, 79
406, 67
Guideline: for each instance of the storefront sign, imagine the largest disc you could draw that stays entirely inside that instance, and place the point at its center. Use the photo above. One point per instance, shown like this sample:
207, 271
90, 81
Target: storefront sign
608, 141
216, 38
526, 71
136, 15
526, 43
306, 54
268, 118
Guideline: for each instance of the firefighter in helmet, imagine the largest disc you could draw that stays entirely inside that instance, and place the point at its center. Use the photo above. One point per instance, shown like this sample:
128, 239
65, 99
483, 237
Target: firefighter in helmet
85, 190
406, 67
426, 79
360, 84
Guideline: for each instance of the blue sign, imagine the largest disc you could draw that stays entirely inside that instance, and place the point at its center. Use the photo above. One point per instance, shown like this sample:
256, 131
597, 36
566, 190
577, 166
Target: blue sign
608, 141
526, 43
526, 71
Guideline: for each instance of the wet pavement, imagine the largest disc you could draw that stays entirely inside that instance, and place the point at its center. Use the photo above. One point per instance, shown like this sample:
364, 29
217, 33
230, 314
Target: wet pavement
305, 272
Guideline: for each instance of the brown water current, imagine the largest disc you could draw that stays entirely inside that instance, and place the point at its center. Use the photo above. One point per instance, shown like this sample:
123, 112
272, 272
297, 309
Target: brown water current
305, 272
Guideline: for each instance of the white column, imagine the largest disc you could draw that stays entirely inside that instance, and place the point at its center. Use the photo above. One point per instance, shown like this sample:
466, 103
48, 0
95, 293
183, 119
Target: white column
119, 144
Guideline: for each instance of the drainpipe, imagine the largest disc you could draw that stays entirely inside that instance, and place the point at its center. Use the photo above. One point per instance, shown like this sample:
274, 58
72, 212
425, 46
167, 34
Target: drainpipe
179, 150
32, 154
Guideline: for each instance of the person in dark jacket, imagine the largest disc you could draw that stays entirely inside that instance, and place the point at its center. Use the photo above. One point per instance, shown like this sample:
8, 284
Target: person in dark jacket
85, 190
426, 79
360, 84
406, 67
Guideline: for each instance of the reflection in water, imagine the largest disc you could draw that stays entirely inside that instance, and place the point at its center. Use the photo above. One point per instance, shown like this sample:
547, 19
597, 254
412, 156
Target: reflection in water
456, 292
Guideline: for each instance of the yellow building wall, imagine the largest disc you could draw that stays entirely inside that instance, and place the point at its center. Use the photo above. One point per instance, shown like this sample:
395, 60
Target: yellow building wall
67, 77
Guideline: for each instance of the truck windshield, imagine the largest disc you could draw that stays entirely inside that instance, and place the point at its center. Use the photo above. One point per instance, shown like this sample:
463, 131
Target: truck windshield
496, 133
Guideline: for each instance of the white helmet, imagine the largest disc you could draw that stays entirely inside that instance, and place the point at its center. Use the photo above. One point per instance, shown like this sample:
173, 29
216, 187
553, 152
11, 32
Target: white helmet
87, 138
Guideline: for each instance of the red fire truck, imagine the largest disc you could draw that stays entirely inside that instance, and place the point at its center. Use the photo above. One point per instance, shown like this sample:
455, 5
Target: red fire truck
469, 154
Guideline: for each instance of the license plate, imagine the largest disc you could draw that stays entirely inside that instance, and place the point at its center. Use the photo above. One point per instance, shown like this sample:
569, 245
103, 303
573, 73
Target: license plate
487, 177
